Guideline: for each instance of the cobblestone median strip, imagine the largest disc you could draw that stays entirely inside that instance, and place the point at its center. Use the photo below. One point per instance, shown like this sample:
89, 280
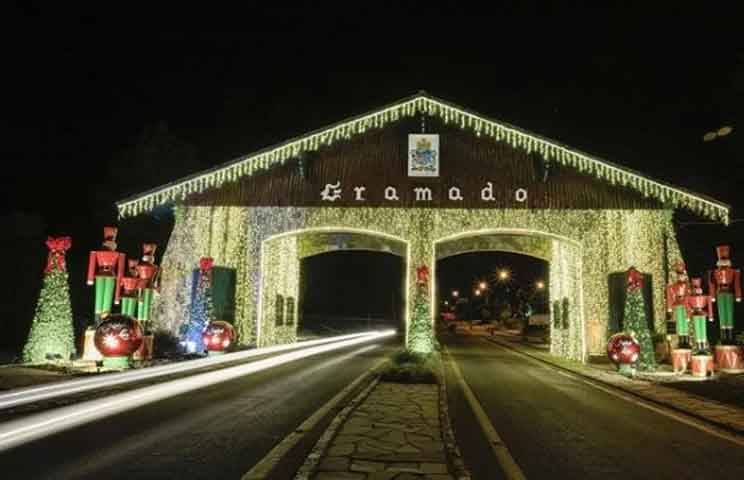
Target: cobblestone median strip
726, 417
390, 432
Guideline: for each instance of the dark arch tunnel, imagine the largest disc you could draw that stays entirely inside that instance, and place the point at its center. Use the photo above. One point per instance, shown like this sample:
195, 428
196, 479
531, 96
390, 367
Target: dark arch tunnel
347, 291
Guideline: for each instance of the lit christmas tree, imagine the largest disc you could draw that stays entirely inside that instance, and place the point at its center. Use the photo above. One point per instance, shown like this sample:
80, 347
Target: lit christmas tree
202, 310
52, 334
420, 337
635, 320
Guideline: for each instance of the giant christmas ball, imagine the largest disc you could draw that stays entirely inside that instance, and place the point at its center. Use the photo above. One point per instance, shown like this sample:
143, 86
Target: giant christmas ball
623, 349
118, 336
218, 336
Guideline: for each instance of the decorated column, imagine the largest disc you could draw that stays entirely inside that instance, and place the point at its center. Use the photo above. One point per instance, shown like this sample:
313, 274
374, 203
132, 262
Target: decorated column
147, 273
420, 321
51, 329
635, 320
105, 269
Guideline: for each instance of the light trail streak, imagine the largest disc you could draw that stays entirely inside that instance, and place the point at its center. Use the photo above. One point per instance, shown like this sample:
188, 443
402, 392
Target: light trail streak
33, 427
46, 392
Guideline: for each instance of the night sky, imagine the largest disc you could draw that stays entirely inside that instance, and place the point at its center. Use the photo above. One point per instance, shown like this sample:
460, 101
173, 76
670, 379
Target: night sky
96, 111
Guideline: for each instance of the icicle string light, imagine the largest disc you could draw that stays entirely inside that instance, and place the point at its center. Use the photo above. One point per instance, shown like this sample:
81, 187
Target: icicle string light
424, 104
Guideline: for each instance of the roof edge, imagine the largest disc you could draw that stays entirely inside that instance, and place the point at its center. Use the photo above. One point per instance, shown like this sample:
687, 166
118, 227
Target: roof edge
422, 102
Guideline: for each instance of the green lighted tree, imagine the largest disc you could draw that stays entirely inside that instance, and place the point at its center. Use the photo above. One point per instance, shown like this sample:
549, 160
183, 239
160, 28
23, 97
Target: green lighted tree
420, 339
634, 318
202, 310
51, 329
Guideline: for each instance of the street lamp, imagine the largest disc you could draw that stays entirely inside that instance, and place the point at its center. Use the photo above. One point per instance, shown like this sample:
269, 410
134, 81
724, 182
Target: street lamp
455, 293
482, 285
503, 274
539, 285
477, 292
721, 132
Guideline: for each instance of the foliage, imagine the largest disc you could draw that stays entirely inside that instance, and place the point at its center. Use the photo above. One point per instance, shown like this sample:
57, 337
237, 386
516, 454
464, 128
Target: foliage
505, 314
165, 344
637, 327
407, 366
420, 335
51, 330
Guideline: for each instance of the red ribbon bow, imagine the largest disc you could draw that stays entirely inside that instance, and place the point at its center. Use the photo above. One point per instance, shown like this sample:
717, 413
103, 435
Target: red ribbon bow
205, 263
57, 248
635, 279
422, 275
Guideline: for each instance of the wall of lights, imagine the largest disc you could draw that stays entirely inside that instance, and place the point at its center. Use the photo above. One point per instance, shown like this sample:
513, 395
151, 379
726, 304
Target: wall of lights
264, 245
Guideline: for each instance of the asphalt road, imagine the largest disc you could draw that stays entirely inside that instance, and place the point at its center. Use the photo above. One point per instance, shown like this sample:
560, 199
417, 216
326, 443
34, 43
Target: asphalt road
216, 432
560, 427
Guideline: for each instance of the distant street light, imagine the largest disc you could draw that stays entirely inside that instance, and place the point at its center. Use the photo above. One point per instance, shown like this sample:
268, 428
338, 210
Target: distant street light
504, 274
477, 292
482, 285
721, 132
540, 285
455, 293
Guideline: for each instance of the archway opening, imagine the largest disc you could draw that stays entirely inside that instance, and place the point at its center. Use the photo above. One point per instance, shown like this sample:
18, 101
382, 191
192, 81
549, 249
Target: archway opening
498, 289
328, 281
531, 281
348, 291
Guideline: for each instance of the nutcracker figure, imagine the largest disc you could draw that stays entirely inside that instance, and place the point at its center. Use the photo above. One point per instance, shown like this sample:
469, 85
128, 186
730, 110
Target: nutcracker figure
701, 307
724, 284
105, 269
128, 289
677, 293
148, 274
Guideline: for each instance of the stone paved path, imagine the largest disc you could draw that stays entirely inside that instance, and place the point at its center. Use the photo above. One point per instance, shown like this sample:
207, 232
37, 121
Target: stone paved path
393, 434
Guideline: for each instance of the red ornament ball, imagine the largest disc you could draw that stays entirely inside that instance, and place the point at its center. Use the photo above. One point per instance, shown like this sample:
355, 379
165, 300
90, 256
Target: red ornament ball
623, 349
118, 336
218, 336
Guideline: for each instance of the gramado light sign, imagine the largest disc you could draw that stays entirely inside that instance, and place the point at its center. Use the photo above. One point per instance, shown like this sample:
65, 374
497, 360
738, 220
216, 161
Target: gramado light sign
423, 161
334, 191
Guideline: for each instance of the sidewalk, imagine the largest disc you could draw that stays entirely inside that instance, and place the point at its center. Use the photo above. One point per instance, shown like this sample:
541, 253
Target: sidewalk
725, 416
17, 376
393, 433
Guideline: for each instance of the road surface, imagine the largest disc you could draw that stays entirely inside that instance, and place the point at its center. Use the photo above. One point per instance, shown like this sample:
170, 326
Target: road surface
216, 432
561, 427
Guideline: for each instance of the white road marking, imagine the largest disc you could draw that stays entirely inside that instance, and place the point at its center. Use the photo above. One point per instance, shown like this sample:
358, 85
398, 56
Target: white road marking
263, 468
680, 417
33, 427
24, 396
509, 466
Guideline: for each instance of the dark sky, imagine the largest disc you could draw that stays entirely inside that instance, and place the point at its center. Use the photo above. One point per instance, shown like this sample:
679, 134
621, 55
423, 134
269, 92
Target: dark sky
633, 83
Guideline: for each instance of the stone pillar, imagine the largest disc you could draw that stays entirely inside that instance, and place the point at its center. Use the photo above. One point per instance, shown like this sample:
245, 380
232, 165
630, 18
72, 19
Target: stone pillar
420, 314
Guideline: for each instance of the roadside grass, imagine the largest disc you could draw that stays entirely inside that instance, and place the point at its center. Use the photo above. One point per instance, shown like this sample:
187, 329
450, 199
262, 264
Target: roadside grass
411, 367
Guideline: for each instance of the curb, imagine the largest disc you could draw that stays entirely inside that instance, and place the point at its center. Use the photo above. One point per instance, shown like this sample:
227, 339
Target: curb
452, 451
313, 459
456, 461
723, 426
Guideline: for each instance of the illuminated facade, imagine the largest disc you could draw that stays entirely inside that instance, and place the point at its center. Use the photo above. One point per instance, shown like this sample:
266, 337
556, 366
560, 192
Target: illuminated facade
351, 186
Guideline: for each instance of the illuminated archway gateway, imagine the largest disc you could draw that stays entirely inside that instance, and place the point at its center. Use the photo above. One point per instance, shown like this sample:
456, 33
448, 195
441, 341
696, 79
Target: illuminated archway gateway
376, 179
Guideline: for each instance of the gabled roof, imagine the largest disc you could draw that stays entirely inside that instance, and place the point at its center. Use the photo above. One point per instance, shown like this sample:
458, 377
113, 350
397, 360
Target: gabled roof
262, 160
